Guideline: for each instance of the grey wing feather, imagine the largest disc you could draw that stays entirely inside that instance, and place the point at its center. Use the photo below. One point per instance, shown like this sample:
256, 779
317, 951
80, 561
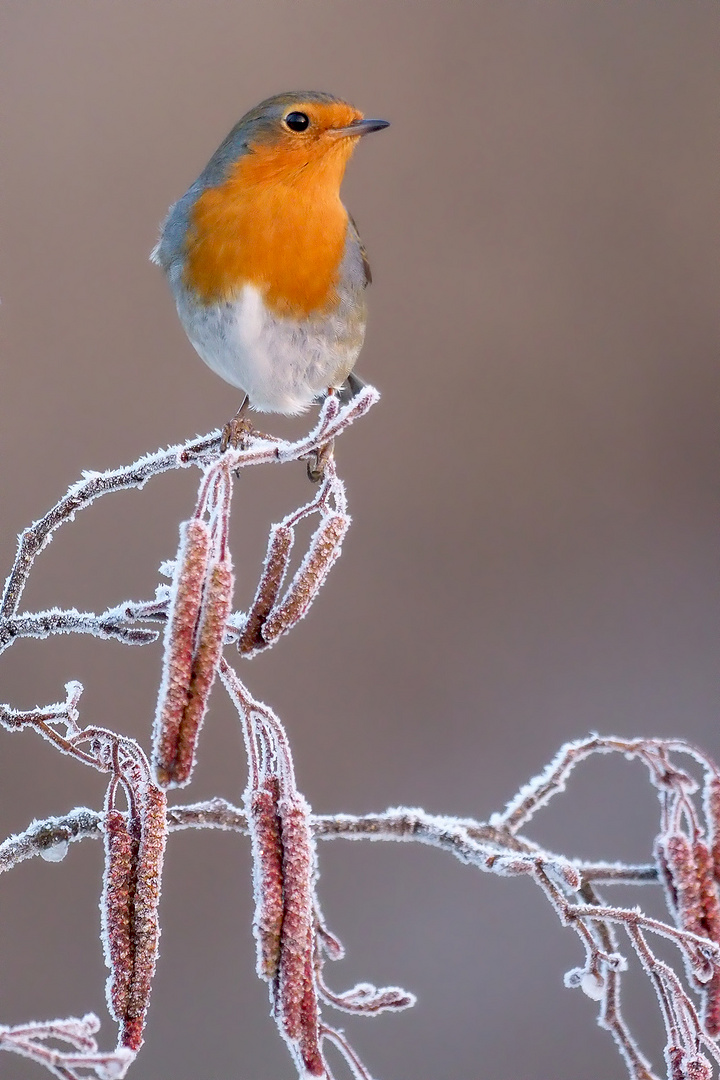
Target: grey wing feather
363, 252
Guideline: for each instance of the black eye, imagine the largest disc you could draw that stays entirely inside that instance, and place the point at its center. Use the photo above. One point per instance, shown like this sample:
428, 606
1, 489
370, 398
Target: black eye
297, 121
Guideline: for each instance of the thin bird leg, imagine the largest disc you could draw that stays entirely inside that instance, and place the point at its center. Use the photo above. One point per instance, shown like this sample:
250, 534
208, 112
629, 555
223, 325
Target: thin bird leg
238, 431
350, 388
319, 458
345, 393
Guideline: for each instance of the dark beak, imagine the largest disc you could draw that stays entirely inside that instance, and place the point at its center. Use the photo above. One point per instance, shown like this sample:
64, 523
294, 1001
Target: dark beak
360, 127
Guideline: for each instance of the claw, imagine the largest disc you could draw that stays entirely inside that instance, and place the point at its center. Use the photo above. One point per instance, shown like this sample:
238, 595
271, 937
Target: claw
237, 431
237, 434
317, 461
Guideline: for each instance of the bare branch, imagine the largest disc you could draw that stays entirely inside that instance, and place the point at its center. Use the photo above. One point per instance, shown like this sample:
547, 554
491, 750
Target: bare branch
42, 624
334, 418
293, 942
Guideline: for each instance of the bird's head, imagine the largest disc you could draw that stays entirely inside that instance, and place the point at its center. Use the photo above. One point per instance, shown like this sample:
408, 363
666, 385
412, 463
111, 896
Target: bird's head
297, 132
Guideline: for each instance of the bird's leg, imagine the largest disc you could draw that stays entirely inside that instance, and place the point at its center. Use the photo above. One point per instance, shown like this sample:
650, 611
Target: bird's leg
238, 430
318, 459
350, 388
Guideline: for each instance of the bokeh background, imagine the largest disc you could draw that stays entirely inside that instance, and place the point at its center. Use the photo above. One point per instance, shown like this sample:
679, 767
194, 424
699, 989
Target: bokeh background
534, 552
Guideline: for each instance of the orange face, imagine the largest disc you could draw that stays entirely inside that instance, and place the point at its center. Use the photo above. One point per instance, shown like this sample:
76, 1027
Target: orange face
277, 221
324, 142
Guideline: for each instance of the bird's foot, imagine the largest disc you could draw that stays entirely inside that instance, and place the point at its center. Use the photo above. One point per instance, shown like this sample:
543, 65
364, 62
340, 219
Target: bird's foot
318, 460
237, 433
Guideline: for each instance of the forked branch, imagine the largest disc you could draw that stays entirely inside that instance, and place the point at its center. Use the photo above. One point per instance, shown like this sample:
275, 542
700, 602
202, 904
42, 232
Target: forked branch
194, 614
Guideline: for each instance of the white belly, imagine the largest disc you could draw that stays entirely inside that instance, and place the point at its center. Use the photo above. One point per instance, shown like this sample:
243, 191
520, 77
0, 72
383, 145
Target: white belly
281, 364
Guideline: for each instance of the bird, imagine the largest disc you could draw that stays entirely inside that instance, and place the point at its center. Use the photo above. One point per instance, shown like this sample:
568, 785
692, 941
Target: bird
265, 264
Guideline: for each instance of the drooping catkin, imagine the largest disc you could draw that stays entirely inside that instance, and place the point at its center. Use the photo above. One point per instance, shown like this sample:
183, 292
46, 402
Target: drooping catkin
711, 804
686, 870
216, 606
187, 593
698, 1067
309, 1040
707, 888
116, 907
298, 922
145, 927
264, 826
324, 549
677, 866
271, 579
297, 1004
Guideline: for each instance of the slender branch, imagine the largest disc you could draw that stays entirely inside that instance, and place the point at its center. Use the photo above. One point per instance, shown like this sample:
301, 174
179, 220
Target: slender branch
611, 1018
41, 624
486, 842
201, 452
685, 940
43, 836
37, 536
293, 942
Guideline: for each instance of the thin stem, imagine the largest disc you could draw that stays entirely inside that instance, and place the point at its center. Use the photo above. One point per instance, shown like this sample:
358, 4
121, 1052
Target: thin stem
201, 452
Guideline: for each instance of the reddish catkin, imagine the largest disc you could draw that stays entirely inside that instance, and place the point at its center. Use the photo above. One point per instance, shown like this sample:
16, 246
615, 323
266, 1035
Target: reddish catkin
116, 904
264, 825
698, 1068
273, 574
711, 802
309, 1041
711, 928
677, 866
676, 1059
681, 1066
296, 1005
216, 606
187, 593
145, 928
323, 551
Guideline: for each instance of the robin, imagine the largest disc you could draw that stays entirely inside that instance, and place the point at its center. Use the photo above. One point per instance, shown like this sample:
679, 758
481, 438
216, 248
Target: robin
265, 263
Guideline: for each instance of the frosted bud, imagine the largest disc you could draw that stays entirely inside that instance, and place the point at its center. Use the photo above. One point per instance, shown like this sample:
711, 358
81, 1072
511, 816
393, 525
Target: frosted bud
590, 982
593, 986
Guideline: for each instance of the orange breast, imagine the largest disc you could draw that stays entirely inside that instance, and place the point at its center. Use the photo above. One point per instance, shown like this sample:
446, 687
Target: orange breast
276, 224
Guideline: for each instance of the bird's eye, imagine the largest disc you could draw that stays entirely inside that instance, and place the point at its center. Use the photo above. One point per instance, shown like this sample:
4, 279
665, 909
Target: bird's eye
297, 121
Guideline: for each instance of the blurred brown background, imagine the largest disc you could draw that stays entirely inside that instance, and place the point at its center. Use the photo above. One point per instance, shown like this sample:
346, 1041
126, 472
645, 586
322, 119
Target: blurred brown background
534, 552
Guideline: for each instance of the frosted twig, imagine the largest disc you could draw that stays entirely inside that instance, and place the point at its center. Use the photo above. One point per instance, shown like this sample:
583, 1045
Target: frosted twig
42, 624
292, 939
92, 485
552, 781
65, 711
293, 942
610, 1016
28, 1040
397, 824
334, 417
689, 943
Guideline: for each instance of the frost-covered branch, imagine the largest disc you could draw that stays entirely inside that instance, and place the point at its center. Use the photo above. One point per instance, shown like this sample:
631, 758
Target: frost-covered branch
334, 418
398, 824
192, 610
84, 1057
